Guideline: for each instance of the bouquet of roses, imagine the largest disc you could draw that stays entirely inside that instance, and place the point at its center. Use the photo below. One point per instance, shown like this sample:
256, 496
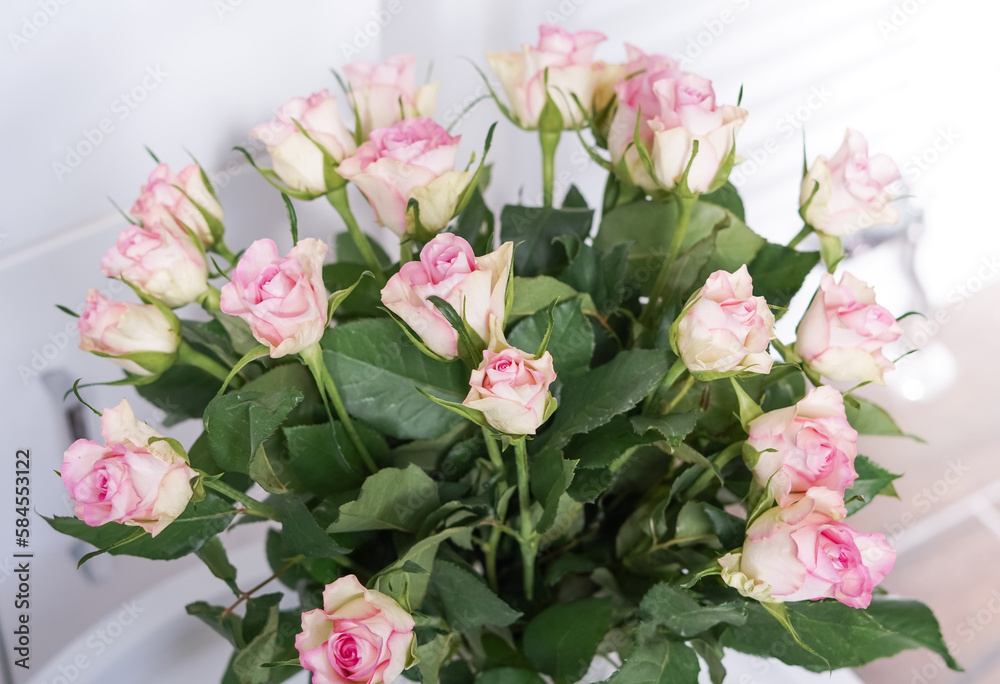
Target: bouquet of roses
529, 442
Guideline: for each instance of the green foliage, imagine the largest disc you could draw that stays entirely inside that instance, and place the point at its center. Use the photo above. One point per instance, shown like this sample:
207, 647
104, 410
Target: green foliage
562, 639
536, 233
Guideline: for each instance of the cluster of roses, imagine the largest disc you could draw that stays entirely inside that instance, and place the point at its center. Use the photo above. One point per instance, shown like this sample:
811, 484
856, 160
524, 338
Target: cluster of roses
664, 133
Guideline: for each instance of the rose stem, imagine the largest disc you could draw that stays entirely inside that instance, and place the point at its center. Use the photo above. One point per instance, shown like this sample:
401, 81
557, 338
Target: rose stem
338, 198
313, 356
245, 595
724, 457
649, 320
550, 141
252, 506
223, 250
680, 395
528, 548
187, 354
800, 236
496, 532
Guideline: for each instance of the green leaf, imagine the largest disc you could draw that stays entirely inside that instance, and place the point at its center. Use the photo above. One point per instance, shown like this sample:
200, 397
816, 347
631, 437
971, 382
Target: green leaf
199, 522
650, 226
562, 639
551, 475
366, 298
872, 481
509, 675
535, 294
571, 343
749, 409
601, 274
252, 355
658, 661
347, 252
391, 499
432, 655
778, 273
600, 448
680, 611
844, 636
376, 368
249, 662
230, 627
475, 222
323, 458
238, 423
213, 554
337, 298
302, 534
468, 603
182, 392
728, 198
407, 579
673, 427
535, 231
871, 419
591, 400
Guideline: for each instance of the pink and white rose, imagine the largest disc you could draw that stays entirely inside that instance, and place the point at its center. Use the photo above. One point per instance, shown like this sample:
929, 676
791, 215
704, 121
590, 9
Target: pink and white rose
843, 331
358, 636
121, 330
568, 58
724, 329
676, 108
807, 445
283, 299
378, 90
160, 260
853, 189
804, 553
129, 479
511, 388
449, 269
412, 159
167, 196
296, 159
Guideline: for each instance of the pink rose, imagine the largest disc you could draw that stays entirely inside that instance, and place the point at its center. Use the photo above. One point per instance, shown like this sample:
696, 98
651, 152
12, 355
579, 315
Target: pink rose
360, 635
807, 445
677, 108
127, 480
137, 337
160, 260
843, 331
511, 389
414, 158
378, 90
853, 189
568, 57
449, 269
724, 329
283, 300
803, 552
295, 158
160, 200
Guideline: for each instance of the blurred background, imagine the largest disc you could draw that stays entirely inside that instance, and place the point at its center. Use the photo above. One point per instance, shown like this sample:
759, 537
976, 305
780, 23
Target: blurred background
917, 77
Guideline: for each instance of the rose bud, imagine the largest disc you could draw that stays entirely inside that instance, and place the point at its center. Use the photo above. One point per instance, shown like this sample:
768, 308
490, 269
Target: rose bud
852, 191
167, 196
130, 479
380, 90
448, 268
283, 300
802, 552
511, 387
138, 337
161, 261
359, 636
843, 331
568, 59
807, 445
296, 159
412, 159
676, 109
724, 329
